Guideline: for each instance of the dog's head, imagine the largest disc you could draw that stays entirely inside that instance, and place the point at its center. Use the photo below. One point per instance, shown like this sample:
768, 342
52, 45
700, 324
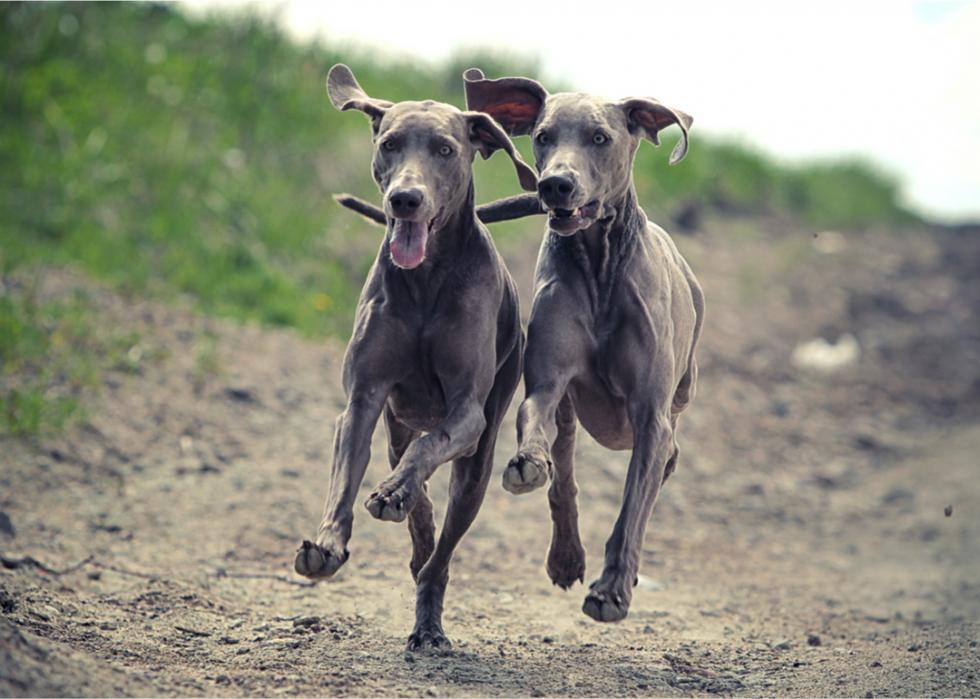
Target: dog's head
583, 145
423, 156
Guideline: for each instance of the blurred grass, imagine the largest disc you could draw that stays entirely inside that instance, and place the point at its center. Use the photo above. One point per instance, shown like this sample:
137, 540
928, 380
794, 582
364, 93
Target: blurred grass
52, 356
175, 156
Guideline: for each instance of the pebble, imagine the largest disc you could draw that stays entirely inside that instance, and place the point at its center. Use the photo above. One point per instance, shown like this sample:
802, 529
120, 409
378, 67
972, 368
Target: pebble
7, 527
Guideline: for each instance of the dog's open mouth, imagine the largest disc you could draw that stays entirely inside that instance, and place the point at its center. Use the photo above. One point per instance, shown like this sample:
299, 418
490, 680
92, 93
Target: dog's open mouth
567, 221
407, 241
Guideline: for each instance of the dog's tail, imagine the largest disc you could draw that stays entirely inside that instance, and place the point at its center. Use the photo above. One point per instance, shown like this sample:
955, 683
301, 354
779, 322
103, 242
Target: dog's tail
365, 209
507, 209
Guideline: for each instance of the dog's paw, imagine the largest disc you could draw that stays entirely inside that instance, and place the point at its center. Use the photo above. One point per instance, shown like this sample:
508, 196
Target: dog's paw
318, 562
607, 601
428, 637
392, 500
525, 473
566, 564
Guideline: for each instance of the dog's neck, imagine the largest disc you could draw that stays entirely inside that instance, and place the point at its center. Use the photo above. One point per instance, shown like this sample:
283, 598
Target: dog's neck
444, 247
602, 248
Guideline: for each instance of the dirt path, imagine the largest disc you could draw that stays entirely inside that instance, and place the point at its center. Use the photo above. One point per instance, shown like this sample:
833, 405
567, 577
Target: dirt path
801, 547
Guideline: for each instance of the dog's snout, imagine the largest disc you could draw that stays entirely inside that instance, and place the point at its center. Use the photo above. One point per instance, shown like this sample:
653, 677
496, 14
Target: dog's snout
556, 189
405, 201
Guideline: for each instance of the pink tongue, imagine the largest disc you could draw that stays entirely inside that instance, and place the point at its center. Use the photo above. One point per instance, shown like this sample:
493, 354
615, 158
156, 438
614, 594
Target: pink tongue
407, 243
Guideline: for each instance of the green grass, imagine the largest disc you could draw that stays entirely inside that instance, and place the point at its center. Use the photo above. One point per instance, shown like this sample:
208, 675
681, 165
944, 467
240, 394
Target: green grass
737, 179
171, 156
48, 359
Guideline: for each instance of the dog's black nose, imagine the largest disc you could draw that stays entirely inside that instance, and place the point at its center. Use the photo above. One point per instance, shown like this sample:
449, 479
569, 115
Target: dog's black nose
405, 202
556, 189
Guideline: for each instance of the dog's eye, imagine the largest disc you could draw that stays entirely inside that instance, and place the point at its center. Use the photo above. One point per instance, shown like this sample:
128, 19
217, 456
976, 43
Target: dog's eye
388, 145
542, 137
445, 151
600, 138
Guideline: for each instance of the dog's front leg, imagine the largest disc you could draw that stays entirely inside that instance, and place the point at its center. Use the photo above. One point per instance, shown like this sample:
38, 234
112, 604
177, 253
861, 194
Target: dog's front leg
458, 435
556, 351
351, 453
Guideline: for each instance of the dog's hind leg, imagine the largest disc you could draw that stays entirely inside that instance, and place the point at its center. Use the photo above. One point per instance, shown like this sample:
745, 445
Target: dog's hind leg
566, 557
421, 523
609, 597
467, 487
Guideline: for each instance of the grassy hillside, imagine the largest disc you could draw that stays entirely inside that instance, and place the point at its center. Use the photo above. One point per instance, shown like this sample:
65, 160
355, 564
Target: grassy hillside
175, 156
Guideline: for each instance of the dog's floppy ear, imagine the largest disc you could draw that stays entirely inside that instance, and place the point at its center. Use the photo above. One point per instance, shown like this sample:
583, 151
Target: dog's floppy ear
649, 117
345, 93
514, 102
488, 137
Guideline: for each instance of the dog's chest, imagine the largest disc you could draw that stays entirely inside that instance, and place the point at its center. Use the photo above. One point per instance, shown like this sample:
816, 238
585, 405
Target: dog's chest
417, 399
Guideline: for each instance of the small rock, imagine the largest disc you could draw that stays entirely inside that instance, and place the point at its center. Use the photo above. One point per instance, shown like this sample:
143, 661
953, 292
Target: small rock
820, 355
948, 510
813, 640
7, 527
877, 618
307, 621
875, 664
783, 645
243, 395
648, 629
779, 408
914, 648
431, 692
898, 495
547, 639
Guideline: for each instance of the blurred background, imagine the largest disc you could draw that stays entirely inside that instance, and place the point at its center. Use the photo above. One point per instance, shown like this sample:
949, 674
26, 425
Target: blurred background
189, 149
177, 287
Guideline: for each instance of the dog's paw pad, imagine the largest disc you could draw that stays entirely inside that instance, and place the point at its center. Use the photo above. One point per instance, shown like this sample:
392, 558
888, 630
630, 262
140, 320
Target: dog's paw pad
429, 639
391, 504
525, 473
605, 606
317, 562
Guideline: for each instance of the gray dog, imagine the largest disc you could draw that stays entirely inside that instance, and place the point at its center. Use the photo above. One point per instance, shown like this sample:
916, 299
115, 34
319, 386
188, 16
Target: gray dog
436, 347
616, 316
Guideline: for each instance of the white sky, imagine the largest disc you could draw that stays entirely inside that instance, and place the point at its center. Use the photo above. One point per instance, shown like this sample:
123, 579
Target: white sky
896, 81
